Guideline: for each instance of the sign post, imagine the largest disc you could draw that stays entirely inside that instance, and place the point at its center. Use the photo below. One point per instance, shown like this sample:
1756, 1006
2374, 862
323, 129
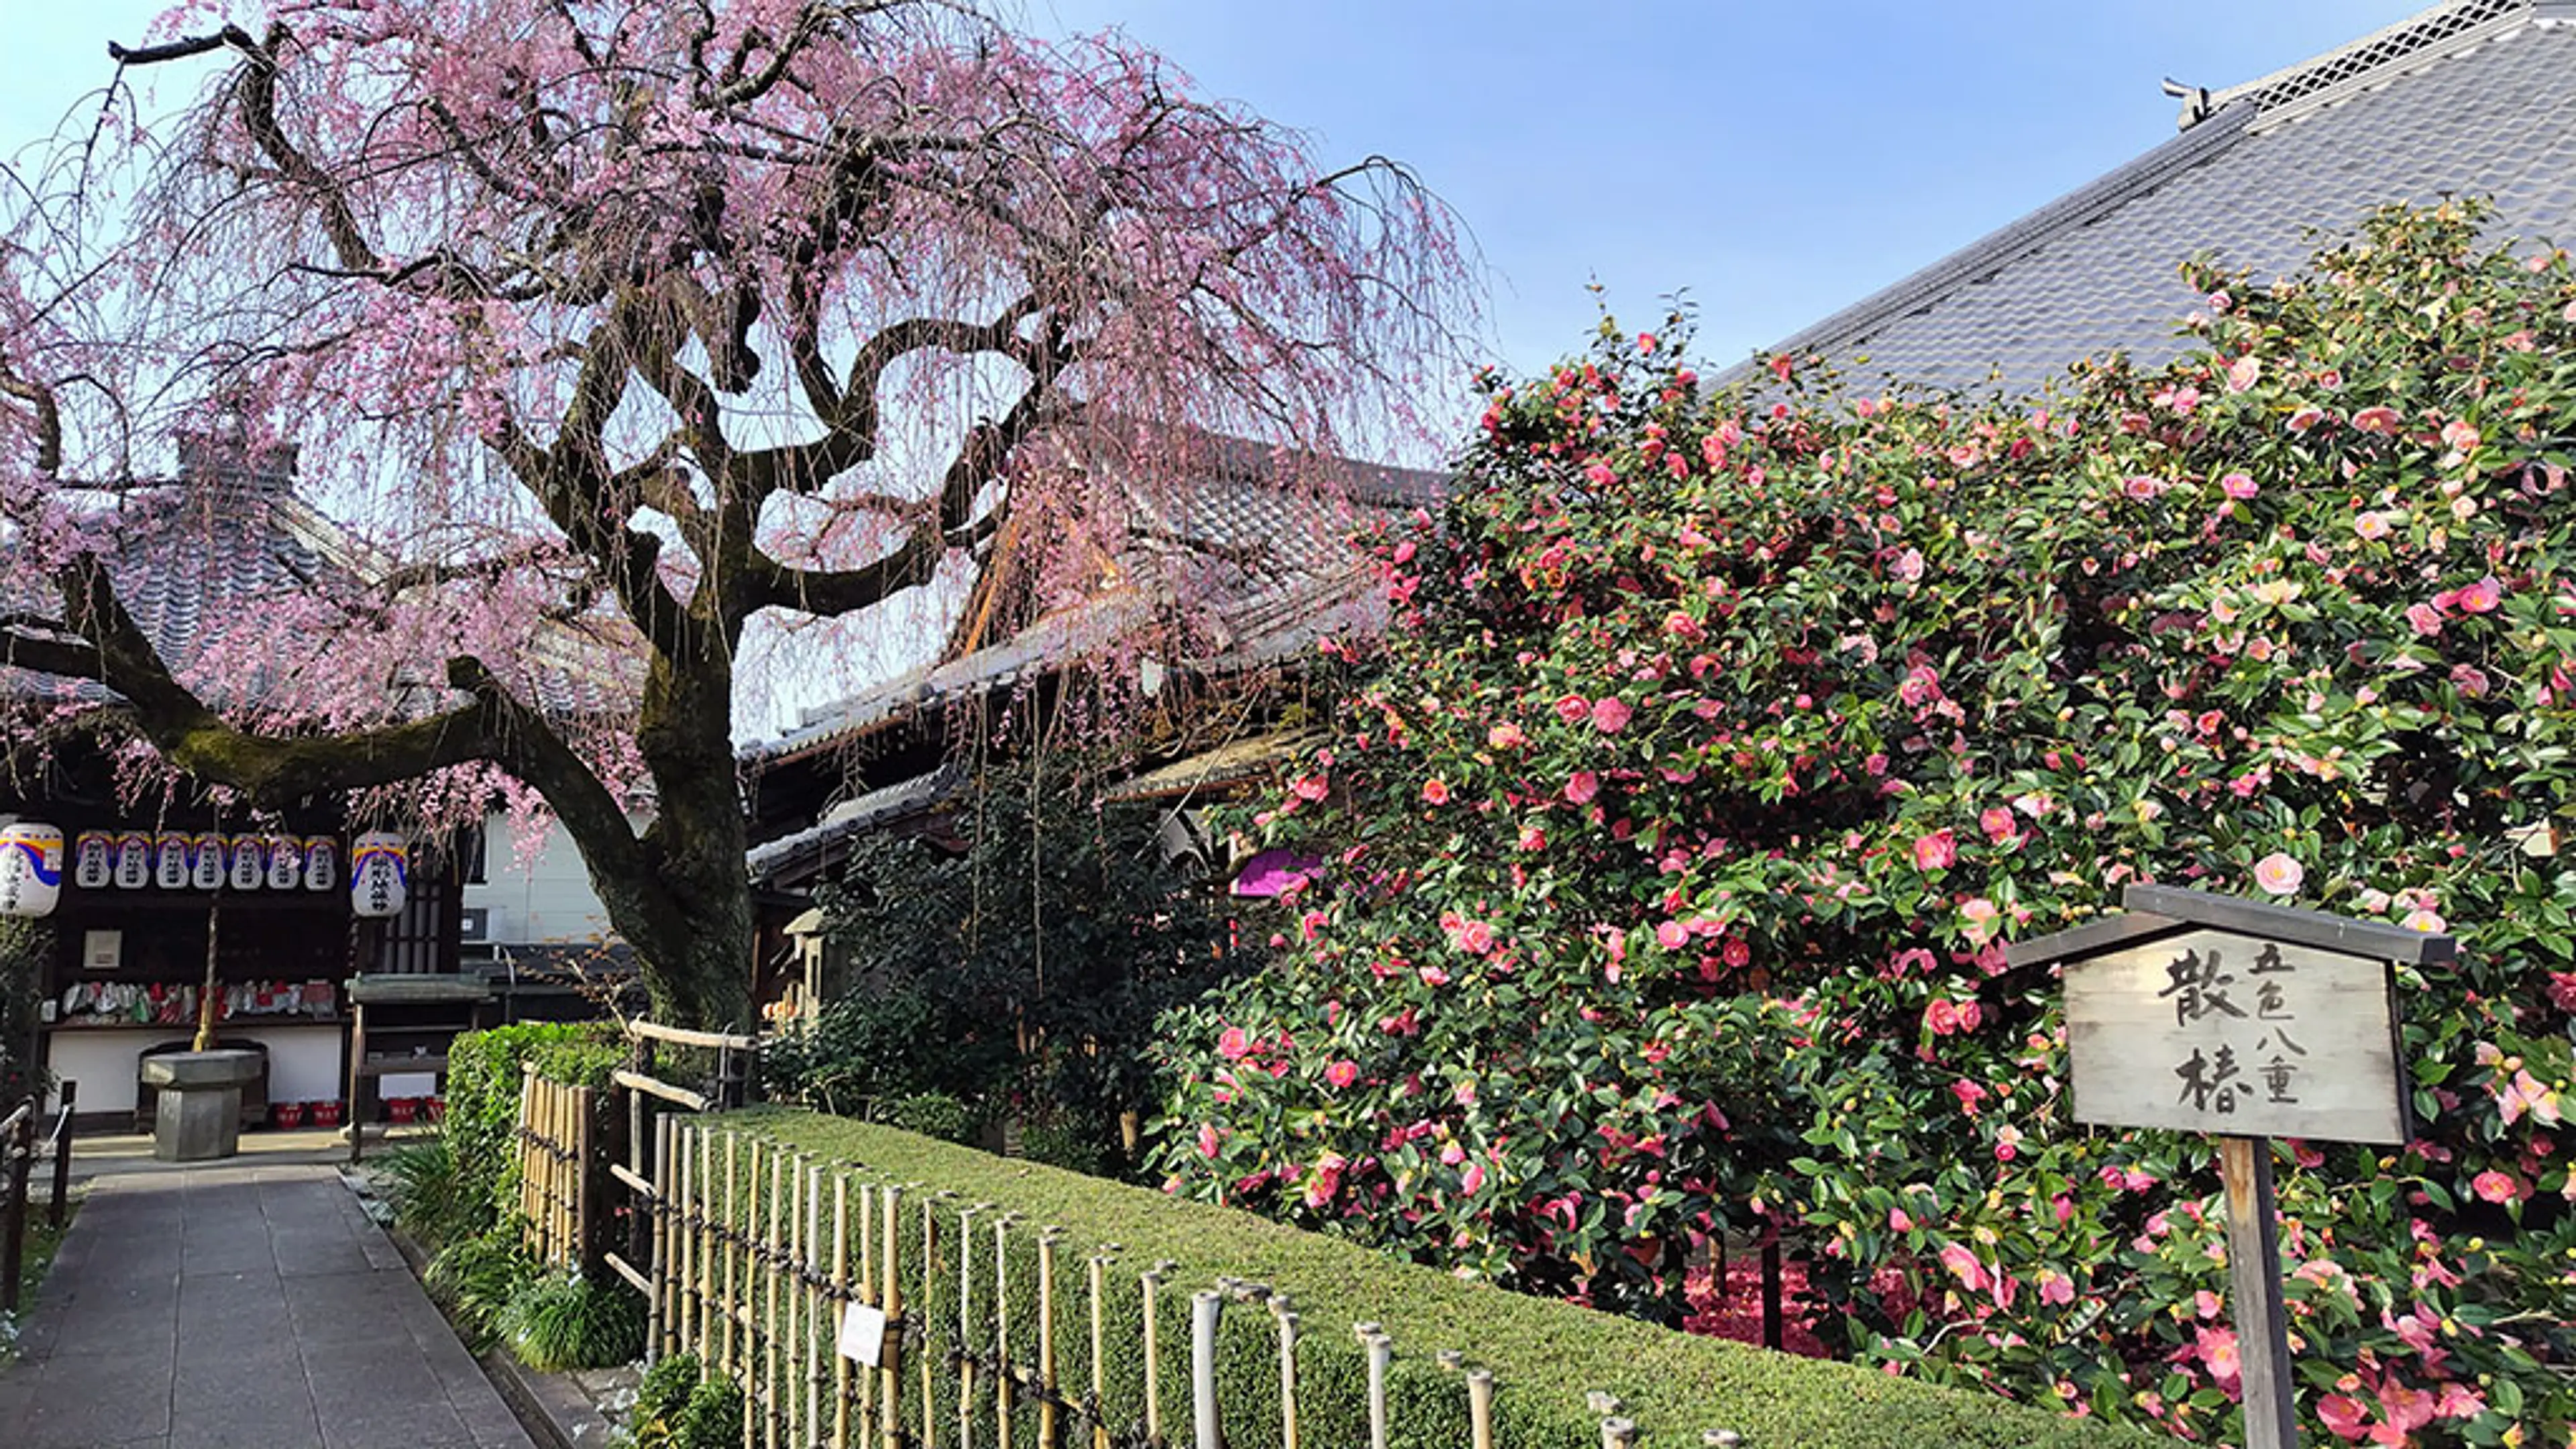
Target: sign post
2246, 1021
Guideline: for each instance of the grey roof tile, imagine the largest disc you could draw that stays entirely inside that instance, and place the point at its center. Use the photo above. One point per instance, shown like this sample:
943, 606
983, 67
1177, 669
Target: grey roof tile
2473, 98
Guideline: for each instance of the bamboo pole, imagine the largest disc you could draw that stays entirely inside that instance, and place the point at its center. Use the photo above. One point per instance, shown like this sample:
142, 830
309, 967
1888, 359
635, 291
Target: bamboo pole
731, 1293
923, 1311
1099, 1285
799, 1348
1150, 1283
1002, 1377
1288, 1374
683, 1233
1480, 1408
1381, 1352
967, 1337
869, 1430
823, 1323
585, 1136
656, 1340
1208, 1430
702, 1255
1046, 1337
889, 1379
840, 1296
769, 1243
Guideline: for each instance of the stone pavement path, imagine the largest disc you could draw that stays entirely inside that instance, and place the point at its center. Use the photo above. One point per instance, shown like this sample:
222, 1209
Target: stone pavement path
240, 1306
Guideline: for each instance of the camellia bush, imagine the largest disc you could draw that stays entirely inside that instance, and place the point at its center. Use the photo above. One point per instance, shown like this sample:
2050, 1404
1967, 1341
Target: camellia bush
1672, 837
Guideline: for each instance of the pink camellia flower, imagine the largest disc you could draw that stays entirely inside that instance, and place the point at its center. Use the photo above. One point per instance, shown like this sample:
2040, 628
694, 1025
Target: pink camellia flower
1404, 552
1342, 1073
2306, 418
1921, 687
2279, 874
2244, 372
2237, 485
1506, 737
1583, 787
1208, 1140
1907, 565
1572, 708
1963, 1265
2481, 597
2142, 487
1672, 935
1897, 1221
2382, 420
1998, 824
2460, 435
1610, 714
1599, 475
1645, 342
2344, 1416
1736, 952
2371, 527
2218, 1350
1941, 1016
2424, 619
1533, 838
1234, 1043
1310, 787
2055, 1288
1435, 791
1326, 1183
1472, 1179
2496, 1186
1936, 851
1980, 914
2427, 921
2470, 680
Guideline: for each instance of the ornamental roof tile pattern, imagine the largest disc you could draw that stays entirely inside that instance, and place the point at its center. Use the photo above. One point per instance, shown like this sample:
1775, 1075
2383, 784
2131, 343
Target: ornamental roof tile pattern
2475, 98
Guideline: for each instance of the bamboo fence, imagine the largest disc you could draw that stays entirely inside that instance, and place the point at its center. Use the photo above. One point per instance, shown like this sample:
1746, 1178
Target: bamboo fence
997, 1334
557, 1149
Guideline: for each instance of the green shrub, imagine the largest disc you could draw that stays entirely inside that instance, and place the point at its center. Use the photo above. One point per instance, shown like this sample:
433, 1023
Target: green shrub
478, 1278
563, 1321
1545, 1355
431, 1199
932, 1114
1720, 743
1021, 978
483, 1080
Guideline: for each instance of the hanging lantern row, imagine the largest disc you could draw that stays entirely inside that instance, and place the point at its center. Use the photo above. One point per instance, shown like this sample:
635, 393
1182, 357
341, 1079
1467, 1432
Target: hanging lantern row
32, 865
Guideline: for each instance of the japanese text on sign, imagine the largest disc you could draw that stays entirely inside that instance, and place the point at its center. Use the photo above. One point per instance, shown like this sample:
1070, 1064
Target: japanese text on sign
2209, 1031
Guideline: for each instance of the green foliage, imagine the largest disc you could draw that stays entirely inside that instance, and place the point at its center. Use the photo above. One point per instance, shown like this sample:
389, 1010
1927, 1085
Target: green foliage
563, 1321
477, 1278
675, 1408
932, 1114
1545, 1355
26, 944
433, 1201
1719, 744
483, 1078
1021, 977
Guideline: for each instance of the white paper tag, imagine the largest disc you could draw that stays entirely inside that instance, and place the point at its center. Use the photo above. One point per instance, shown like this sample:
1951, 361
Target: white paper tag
862, 1333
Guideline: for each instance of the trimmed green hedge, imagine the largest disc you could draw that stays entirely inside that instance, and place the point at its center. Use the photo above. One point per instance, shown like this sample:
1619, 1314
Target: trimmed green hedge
1544, 1355
483, 1072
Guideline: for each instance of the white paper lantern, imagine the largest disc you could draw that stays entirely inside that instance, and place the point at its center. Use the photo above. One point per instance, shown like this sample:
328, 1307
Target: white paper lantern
247, 857
321, 862
133, 860
379, 874
206, 861
94, 860
170, 852
285, 862
31, 868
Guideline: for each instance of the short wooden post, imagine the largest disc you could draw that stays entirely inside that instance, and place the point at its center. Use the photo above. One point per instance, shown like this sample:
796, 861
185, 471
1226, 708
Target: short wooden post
1480, 1408
1381, 1355
1150, 1283
2254, 1282
1099, 1350
1288, 1376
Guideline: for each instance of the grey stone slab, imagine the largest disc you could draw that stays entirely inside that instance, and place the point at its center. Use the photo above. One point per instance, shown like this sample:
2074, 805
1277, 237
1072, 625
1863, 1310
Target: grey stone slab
85, 1399
362, 1425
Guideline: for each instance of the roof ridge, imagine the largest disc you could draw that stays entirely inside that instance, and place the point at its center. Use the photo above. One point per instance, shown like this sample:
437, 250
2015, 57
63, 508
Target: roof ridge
2138, 175
2422, 31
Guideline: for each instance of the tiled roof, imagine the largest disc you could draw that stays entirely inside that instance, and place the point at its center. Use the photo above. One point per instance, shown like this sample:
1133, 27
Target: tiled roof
797, 857
1297, 581
2471, 98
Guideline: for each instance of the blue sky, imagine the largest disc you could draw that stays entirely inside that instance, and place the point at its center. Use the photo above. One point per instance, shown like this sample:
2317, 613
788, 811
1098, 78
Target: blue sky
1775, 160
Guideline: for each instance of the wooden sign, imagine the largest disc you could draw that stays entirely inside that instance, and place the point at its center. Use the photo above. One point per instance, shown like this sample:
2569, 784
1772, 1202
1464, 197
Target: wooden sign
2210, 1031
2246, 1020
